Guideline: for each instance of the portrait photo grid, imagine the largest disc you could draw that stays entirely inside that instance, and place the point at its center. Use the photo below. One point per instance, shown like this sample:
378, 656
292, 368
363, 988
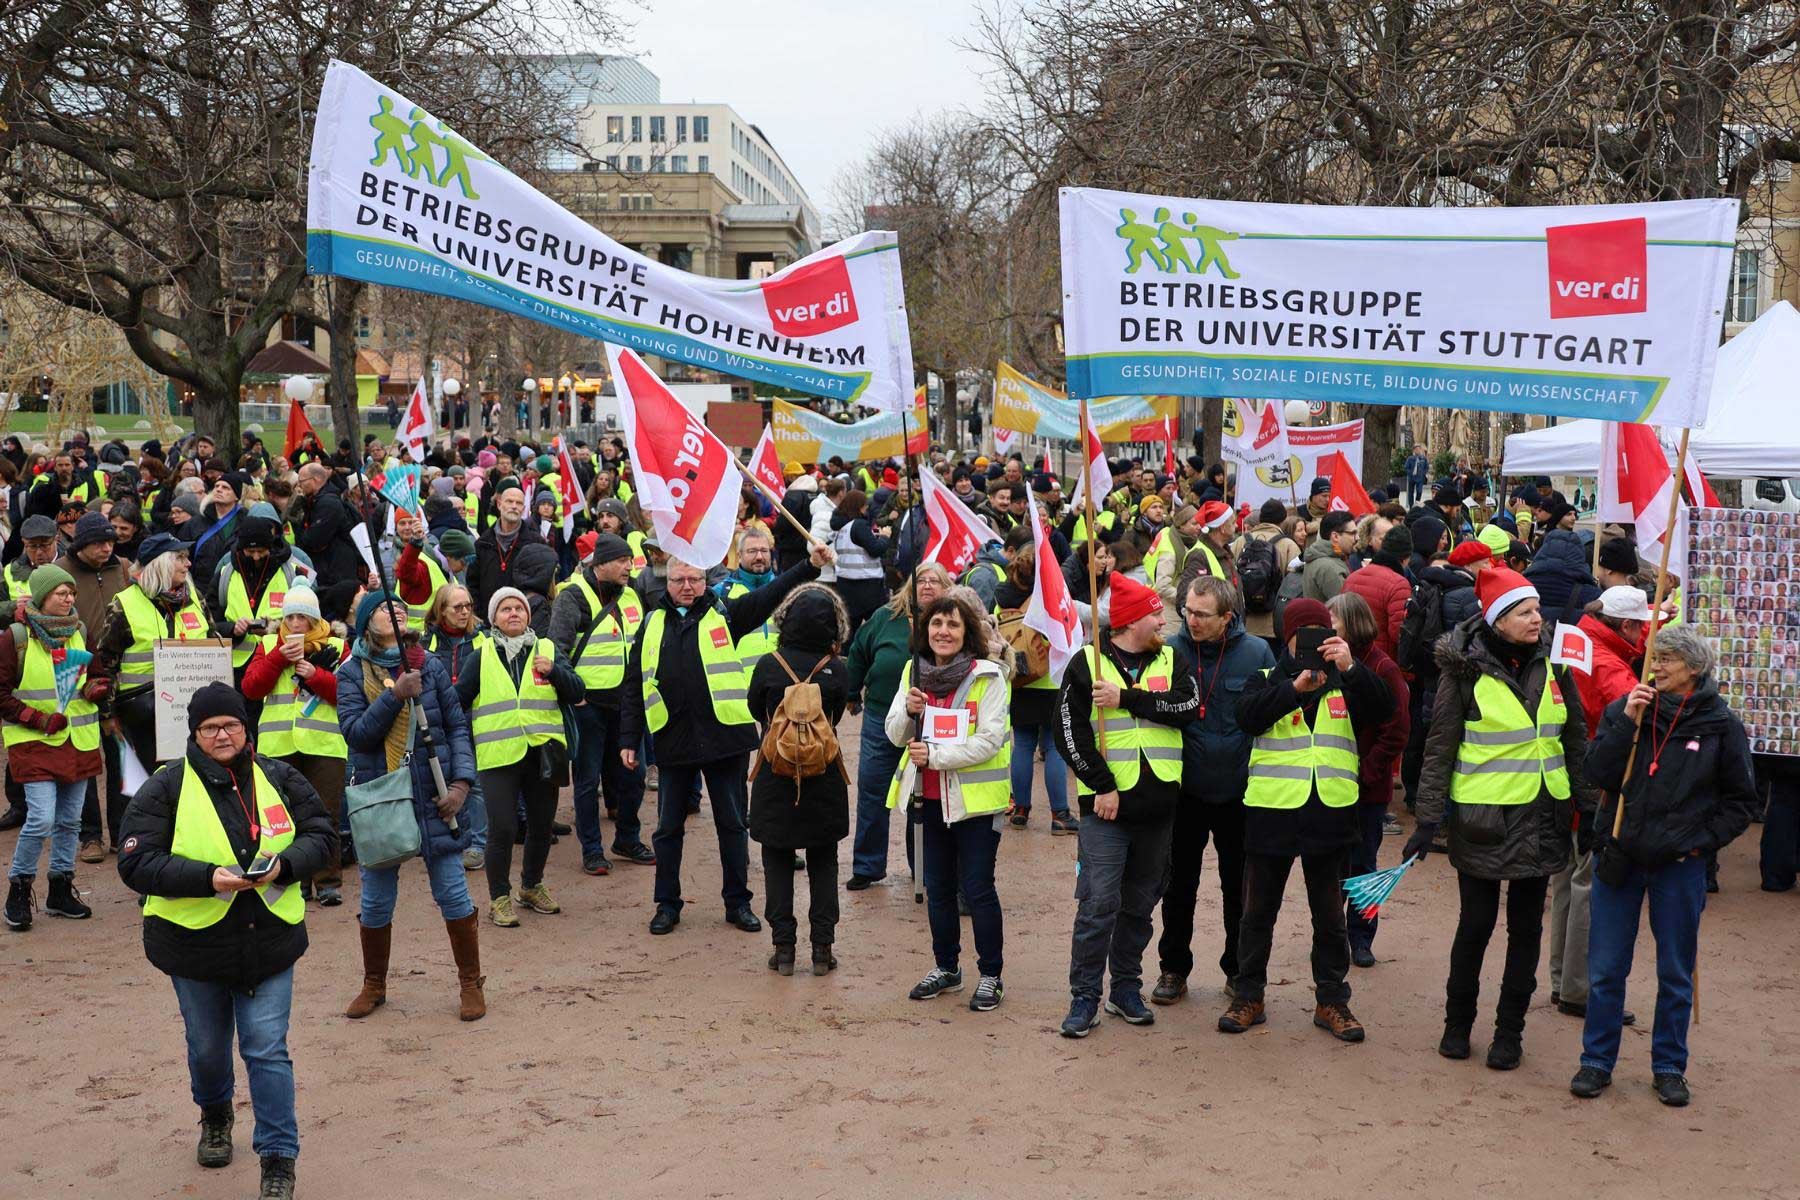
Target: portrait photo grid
1745, 598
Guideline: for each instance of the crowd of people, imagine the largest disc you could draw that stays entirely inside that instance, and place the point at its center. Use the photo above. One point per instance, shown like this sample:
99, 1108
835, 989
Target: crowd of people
1261, 682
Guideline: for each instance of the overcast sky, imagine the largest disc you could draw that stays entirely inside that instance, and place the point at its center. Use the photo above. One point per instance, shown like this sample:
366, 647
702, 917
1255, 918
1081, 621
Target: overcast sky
820, 77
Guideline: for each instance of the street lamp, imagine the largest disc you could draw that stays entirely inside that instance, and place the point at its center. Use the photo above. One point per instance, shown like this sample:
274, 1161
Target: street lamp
531, 389
298, 387
1297, 412
453, 387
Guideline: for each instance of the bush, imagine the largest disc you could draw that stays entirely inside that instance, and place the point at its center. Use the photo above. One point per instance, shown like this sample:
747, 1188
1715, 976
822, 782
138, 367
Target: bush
1442, 463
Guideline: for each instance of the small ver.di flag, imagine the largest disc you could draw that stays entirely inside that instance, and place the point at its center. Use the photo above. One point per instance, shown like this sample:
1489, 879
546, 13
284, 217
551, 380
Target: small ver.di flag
765, 464
686, 477
417, 426
1051, 610
957, 535
1570, 646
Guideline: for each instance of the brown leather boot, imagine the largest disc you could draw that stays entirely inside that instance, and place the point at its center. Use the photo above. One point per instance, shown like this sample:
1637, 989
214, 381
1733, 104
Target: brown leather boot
1241, 1016
465, 945
1336, 1020
375, 946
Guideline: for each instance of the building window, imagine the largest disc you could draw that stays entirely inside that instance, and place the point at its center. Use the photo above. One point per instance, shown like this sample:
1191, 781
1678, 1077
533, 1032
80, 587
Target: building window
634, 163
657, 164
364, 329
1746, 286
590, 166
612, 162
658, 128
679, 164
681, 129
702, 129
637, 129
705, 164
634, 201
615, 129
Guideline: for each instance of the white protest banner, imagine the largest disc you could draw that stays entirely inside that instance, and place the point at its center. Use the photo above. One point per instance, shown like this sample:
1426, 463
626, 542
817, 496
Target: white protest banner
1310, 451
1253, 435
1605, 311
183, 668
395, 197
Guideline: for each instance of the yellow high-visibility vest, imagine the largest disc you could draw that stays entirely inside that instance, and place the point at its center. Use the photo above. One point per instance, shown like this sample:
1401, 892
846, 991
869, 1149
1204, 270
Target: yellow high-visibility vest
1289, 759
37, 688
138, 664
1132, 741
295, 720
602, 662
506, 717
200, 835
726, 679
1505, 754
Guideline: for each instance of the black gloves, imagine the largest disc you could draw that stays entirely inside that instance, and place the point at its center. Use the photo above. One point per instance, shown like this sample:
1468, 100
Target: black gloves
1420, 842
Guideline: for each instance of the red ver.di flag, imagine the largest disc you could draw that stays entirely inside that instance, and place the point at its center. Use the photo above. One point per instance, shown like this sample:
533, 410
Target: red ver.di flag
686, 477
1051, 610
1347, 493
416, 427
957, 535
1570, 646
569, 484
765, 464
1095, 473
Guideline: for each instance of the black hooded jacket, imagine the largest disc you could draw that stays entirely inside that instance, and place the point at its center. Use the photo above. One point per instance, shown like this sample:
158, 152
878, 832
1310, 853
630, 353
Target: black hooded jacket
787, 813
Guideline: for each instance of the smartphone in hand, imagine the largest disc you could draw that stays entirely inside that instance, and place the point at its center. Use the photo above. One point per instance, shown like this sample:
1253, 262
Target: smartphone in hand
264, 865
1307, 645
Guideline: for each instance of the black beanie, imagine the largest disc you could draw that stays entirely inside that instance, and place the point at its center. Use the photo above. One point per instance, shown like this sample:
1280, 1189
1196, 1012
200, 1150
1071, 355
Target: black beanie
609, 546
1618, 554
215, 700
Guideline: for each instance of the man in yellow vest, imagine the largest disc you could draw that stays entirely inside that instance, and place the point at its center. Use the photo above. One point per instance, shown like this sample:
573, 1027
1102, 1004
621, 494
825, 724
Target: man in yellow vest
252, 582
218, 843
1303, 718
685, 683
1120, 713
593, 622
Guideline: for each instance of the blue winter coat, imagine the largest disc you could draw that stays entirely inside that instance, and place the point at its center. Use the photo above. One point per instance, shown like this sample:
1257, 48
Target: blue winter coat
1215, 752
366, 725
1559, 572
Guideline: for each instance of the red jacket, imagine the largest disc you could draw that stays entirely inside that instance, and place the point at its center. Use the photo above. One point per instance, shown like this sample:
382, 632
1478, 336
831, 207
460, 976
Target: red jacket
265, 668
1386, 592
1380, 748
1613, 674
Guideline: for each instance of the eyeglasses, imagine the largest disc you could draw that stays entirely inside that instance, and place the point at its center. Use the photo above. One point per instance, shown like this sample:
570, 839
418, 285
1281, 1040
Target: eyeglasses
219, 729
459, 607
1203, 616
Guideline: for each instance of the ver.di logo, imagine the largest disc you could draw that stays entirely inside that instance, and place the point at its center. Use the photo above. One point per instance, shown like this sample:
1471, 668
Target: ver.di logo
1165, 243
393, 134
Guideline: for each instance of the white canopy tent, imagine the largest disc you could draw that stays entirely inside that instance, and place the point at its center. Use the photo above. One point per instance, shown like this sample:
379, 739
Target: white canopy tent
1753, 427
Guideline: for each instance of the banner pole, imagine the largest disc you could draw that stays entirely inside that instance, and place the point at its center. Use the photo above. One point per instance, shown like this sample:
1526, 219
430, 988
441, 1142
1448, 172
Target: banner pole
1093, 530
915, 804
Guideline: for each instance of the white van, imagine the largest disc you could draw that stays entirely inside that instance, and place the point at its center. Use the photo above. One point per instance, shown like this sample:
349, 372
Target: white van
1772, 494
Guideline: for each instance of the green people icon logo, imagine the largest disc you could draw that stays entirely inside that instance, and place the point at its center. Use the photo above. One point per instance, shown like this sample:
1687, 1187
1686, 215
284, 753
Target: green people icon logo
414, 145
1164, 243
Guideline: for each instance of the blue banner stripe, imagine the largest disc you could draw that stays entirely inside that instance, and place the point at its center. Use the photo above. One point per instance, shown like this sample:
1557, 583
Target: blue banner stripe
393, 265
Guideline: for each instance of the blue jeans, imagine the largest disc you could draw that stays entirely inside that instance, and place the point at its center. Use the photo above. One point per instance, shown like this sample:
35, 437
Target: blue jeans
1026, 740
595, 758
53, 811
725, 783
875, 770
961, 857
260, 1015
1362, 861
1677, 894
449, 887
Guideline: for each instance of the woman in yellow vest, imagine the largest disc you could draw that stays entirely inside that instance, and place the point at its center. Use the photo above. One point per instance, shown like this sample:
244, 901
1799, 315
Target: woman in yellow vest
1503, 772
294, 675
514, 688
950, 712
52, 741
452, 635
159, 605
227, 939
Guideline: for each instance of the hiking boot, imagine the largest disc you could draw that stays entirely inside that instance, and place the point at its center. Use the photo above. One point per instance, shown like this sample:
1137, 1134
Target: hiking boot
330, 897
640, 854
1084, 1014
465, 947
1064, 824
1242, 1015
215, 1136
277, 1178
1590, 1082
824, 962
538, 899
92, 851
665, 921
989, 992
376, 943
19, 903
596, 866
64, 900
1336, 1020
1454, 1043
1504, 1052
1169, 988
782, 961
1130, 1008
500, 912
12, 819
935, 984
1672, 1090
474, 860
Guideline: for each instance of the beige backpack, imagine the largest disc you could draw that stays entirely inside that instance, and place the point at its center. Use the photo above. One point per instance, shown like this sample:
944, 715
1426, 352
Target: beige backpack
1031, 650
800, 742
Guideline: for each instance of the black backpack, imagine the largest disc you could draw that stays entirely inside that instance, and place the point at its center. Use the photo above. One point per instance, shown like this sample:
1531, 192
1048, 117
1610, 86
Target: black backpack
1259, 576
1421, 627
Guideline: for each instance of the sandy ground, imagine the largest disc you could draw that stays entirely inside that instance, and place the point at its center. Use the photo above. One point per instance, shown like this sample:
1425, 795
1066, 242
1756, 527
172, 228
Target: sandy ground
616, 1062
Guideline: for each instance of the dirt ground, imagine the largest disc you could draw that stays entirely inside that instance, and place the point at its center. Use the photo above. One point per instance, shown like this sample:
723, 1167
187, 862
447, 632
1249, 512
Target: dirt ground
616, 1062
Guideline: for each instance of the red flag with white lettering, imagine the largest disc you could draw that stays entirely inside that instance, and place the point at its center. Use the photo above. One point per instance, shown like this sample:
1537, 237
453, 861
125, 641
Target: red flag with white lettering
957, 534
569, 484
416, 427
1169, 447
1347, 493
686, 477
1051, 610
765, 464
1095, 473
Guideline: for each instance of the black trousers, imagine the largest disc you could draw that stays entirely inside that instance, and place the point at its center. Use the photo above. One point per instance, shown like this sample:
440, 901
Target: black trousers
1195, 822
1524, 938
504, 787
1412, 759
778, 894
1265, 879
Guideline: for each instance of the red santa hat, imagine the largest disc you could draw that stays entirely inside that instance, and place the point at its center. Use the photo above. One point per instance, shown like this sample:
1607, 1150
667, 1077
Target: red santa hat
1131, 600
1498, 589
1213, 514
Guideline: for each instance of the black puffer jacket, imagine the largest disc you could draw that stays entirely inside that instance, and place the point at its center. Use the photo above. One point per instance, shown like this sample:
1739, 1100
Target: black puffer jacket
248, 945
1559, 571
1703, 794
1499, 841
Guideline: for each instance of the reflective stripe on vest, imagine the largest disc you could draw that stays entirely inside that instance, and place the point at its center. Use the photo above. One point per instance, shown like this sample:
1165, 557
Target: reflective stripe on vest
759, 641
1162, 544
602, 662
726, 678
268, 608
37, 689
415, 613
1504, 755
985, 787
1288, 760
138, 664
294, 719
853, 562
505, 718
1131, 741
200, 835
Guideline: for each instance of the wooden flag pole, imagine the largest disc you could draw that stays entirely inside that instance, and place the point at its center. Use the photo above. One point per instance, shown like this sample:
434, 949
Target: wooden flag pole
1093, 531
775, 500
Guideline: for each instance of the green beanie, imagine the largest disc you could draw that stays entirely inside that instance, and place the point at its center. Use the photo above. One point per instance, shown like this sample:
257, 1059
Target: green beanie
47, 579
545, 464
